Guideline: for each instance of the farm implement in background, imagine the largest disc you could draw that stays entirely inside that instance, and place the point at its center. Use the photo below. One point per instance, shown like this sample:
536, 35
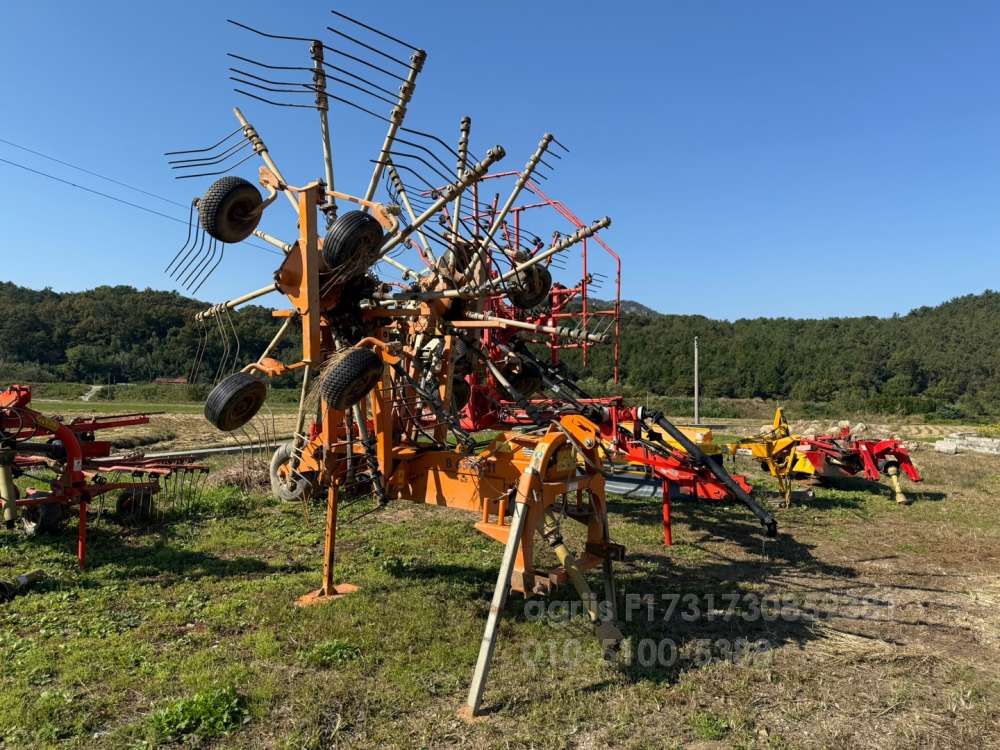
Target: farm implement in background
412, 307
81, 472
788, 457
842, 455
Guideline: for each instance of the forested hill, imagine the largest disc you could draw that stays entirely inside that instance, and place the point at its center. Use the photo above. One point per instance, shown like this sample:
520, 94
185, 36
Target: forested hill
929, 358
924, 360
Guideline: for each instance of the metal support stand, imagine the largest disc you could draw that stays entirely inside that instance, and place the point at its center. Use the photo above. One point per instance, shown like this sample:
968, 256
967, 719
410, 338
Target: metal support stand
482, 672
330, 590
8, 490
667, 538
610, 591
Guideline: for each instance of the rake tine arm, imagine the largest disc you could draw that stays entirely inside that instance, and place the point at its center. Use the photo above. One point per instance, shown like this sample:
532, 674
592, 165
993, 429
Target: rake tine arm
401, 190
215, 310
463, 158
447, 194
251, 134
522, 179
396, 117
564, 244
561, 331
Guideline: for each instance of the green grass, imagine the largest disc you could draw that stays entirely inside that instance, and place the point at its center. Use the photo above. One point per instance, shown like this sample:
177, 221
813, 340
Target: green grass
186, 633
708, 726
203, 715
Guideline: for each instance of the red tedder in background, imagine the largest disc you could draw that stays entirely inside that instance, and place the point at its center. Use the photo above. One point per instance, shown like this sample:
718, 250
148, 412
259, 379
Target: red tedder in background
843, 456
31, 441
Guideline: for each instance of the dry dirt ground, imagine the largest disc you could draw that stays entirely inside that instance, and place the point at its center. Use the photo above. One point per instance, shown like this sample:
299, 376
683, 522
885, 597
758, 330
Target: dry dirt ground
864, 624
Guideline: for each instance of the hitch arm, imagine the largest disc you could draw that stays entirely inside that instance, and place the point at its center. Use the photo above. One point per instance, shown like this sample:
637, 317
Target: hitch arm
766, 519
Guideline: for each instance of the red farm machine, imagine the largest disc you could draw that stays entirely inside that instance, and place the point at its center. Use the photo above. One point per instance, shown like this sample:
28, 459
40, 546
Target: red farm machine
842, 455
77, 469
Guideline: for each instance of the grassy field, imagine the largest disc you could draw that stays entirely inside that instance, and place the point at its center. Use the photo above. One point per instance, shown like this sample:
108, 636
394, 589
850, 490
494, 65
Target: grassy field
863, 624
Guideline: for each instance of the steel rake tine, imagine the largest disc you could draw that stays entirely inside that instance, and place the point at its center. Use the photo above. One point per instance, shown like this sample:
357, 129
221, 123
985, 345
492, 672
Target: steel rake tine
181, 270
369, 47
208, 161
236, 338
197, 243
202, 264
222, 252
203, 150
225, 351
199, 352
230, 168
187, 239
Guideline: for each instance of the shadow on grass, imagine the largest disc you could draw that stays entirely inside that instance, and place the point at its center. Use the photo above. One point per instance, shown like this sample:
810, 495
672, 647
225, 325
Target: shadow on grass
156, 556
860, 484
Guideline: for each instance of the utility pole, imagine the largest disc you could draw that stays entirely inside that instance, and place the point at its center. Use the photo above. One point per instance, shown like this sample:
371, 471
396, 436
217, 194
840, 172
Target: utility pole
697, 420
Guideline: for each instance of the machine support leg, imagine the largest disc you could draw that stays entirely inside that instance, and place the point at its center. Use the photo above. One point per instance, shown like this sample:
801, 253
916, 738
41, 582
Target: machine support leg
329, 539
81, 541
8, 491
893, 472
667, 539
489, 642
610, 592
329, 589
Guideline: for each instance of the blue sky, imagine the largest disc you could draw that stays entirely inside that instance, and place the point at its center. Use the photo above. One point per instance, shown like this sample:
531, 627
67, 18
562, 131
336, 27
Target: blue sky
799, 159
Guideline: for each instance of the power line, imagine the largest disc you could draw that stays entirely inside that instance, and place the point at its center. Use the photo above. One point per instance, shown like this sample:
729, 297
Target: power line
90, 172
114, 198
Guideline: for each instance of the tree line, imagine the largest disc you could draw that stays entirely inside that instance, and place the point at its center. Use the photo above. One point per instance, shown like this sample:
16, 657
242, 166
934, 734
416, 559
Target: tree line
941, 359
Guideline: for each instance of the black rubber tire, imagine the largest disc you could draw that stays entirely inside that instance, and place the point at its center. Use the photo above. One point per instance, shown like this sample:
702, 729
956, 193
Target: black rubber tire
229, 209
282, 490
46, 518
352, 244
460, 393
530, 287
349, 378
235, 401
135, 505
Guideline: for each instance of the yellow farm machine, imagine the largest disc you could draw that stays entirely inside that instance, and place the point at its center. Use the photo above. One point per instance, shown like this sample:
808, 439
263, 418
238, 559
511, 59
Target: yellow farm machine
788, 457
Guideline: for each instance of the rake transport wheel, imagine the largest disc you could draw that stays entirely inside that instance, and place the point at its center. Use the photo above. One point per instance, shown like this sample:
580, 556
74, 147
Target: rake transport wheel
284, 485
350, 376
235, 401
230, 209
352, 243
135, 505
529, 287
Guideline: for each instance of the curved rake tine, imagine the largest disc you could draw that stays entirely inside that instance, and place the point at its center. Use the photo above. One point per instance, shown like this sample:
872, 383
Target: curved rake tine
207, 161
225, 351
202, 263
181, 270
203, 150
368, 47
200, 353
307, 39
374, 30
198, 241
230, 168
187, 240
236, 337
222, 252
